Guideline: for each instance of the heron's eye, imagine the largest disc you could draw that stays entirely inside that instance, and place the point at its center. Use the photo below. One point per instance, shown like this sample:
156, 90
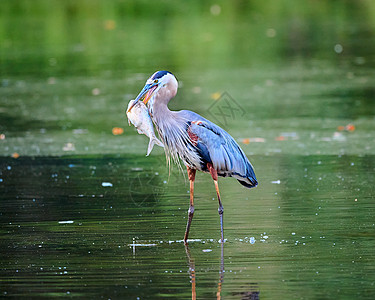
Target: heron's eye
156, 81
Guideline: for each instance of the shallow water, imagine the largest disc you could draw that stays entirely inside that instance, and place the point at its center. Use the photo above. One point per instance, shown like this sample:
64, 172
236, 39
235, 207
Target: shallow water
83, 212
306, 232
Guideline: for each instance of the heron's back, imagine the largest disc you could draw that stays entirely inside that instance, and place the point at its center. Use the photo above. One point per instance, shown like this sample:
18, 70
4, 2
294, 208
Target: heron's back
214, 145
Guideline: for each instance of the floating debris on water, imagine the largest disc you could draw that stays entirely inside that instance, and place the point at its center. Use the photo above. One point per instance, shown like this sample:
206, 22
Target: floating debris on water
107, 184
280, 138
195, 240
95, 92
338, 48
142, 245
66, 222
51, 80
152, 243
109, 24
117, 130
196, 90
284, 136
80, 131
136, 169
216, 96
349, 127
69, 147
338, 136
247, 141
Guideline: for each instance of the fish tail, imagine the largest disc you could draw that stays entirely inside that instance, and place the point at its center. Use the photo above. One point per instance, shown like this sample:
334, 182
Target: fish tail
153, 141
150, 146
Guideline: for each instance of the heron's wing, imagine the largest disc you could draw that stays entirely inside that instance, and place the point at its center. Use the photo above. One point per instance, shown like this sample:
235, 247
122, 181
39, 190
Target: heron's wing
216, 146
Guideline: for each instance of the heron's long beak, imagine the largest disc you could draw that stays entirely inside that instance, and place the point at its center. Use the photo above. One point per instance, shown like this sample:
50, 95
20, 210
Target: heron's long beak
146, 93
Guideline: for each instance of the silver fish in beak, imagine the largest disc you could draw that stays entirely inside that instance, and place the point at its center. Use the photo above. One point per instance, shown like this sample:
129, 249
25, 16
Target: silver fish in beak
138, 115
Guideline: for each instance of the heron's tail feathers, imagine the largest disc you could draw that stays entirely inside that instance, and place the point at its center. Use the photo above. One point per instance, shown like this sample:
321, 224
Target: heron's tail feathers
153, 140
248, 180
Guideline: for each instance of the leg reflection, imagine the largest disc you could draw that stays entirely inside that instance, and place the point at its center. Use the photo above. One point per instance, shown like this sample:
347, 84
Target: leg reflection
192, 272
221, 272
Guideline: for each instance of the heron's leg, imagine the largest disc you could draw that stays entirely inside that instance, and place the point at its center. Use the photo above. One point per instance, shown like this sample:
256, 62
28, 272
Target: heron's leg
213, 173
191, 174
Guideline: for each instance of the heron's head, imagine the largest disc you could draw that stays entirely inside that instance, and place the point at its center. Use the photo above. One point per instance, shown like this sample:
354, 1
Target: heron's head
161, 82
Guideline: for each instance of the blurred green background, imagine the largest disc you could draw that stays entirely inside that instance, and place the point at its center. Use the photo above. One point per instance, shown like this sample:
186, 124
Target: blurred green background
68, 69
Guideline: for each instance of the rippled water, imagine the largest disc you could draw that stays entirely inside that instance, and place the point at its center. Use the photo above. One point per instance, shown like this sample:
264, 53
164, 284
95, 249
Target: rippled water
306, 232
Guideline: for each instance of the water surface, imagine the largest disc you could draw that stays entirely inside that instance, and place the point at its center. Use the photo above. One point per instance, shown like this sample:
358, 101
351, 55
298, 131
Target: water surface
307, 231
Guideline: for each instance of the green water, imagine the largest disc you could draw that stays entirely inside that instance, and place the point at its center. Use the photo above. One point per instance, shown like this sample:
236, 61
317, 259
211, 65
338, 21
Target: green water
83, 212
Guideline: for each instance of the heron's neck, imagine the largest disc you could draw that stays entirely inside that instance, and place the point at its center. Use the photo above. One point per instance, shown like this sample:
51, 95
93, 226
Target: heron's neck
159, 108
160, 112
172, 129
168, 123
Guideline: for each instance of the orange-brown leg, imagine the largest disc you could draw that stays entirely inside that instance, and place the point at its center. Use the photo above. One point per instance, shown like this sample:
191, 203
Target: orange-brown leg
191, 174
213, 173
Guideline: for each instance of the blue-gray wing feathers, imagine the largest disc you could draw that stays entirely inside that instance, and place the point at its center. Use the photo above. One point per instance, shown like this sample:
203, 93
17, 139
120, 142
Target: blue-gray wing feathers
216, 146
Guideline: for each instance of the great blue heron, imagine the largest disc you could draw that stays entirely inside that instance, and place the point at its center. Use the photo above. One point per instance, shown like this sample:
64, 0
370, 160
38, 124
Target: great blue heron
199, 143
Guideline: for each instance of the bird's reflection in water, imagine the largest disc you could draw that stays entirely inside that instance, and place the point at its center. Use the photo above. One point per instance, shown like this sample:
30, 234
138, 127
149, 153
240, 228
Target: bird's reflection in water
251, 294
192, 272
221, 272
